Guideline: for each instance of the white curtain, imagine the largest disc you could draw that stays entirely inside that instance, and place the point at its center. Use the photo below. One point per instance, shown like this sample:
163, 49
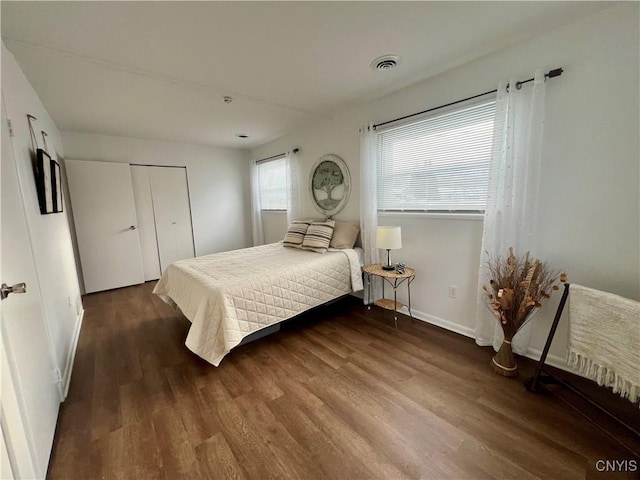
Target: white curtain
256, 211
369, 199
368, 194
293, 189
511, 214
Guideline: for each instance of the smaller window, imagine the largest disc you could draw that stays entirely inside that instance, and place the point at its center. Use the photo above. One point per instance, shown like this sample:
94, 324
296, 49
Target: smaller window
273, 184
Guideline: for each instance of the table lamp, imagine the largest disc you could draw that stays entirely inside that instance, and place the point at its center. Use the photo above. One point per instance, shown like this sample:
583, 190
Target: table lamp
388, 238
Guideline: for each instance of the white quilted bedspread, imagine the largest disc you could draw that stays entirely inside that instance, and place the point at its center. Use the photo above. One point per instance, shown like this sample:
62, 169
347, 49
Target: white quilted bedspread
230, 295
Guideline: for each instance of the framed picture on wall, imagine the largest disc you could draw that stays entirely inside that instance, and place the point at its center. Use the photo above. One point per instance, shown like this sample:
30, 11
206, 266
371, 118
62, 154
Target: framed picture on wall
56, 183
330, 184
48, 183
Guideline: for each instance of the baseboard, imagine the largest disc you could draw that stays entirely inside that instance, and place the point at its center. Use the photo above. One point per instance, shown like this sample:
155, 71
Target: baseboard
552, 360
71, 356
441, 322
532, 353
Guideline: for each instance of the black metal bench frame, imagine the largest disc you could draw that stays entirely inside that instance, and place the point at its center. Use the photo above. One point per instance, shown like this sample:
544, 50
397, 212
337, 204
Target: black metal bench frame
544, 377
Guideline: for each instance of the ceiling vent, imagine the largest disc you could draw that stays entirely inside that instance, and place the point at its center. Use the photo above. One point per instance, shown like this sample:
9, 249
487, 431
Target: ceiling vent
386, 62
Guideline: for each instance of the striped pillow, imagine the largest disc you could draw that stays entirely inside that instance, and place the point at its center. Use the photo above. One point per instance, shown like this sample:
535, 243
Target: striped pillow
318, 236
295, 234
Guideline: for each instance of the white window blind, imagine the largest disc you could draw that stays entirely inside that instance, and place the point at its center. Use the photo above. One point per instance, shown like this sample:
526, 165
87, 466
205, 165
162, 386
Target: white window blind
440, 164
273, 184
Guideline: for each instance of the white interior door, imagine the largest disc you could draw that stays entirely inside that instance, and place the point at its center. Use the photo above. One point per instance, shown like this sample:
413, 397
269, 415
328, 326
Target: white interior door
146, 222
106, 225
30, 395
172, 214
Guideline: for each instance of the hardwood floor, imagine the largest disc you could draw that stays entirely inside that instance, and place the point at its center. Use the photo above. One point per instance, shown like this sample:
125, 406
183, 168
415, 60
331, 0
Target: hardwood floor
334, 394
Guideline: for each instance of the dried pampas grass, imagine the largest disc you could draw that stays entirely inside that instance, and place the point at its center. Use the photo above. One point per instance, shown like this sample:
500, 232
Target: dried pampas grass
517, 287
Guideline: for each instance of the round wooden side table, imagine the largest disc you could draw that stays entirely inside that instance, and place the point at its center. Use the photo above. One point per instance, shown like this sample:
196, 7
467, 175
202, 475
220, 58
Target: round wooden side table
394, 279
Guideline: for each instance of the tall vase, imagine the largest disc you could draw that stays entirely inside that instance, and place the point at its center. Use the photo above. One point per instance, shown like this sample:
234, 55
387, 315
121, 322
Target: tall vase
504, 363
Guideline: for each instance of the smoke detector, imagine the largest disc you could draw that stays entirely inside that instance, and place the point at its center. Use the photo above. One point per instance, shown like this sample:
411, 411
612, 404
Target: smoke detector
385, 62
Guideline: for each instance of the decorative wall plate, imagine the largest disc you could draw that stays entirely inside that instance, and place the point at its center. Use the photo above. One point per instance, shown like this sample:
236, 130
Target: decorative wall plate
330, 184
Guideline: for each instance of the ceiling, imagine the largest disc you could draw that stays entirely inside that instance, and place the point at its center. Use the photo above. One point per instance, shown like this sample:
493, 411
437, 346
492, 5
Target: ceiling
159, 70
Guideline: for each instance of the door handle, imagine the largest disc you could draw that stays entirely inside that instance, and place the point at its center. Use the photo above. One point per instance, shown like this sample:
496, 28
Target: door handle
132, 227
5, 289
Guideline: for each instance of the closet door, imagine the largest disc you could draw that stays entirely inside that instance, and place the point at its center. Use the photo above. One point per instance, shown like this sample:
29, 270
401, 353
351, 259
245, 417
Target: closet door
172, 214
106, 224
146, 222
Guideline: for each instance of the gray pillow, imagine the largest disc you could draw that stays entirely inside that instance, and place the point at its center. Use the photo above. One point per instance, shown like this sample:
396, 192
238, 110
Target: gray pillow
345, 234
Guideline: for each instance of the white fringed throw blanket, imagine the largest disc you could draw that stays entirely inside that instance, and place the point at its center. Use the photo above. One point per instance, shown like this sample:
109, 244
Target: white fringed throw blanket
604, 339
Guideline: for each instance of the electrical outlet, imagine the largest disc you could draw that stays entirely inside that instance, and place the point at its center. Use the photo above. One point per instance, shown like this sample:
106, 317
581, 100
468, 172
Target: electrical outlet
453, 291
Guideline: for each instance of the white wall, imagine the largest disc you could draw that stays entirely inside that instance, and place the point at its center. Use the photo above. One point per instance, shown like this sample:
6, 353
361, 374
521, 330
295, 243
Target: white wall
51, 239
589, 222
218, 182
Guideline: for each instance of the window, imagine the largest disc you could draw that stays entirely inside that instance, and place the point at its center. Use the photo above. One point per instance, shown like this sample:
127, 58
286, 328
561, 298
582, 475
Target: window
440, 164
273, 184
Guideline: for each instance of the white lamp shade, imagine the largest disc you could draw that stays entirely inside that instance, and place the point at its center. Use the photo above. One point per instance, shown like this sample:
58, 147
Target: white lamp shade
389, 238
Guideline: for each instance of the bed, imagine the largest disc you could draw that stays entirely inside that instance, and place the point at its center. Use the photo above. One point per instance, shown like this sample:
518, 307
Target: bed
231, 295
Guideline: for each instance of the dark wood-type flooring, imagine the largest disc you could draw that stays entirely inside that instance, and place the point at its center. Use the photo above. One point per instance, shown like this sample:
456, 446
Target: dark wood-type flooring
334, 394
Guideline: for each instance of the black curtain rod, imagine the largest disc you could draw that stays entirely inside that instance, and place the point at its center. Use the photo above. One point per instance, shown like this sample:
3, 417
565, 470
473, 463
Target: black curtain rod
556, 72
156, 165
273, 157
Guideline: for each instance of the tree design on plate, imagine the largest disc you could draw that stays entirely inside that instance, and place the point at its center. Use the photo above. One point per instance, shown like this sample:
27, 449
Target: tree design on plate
330, 184
327, 177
